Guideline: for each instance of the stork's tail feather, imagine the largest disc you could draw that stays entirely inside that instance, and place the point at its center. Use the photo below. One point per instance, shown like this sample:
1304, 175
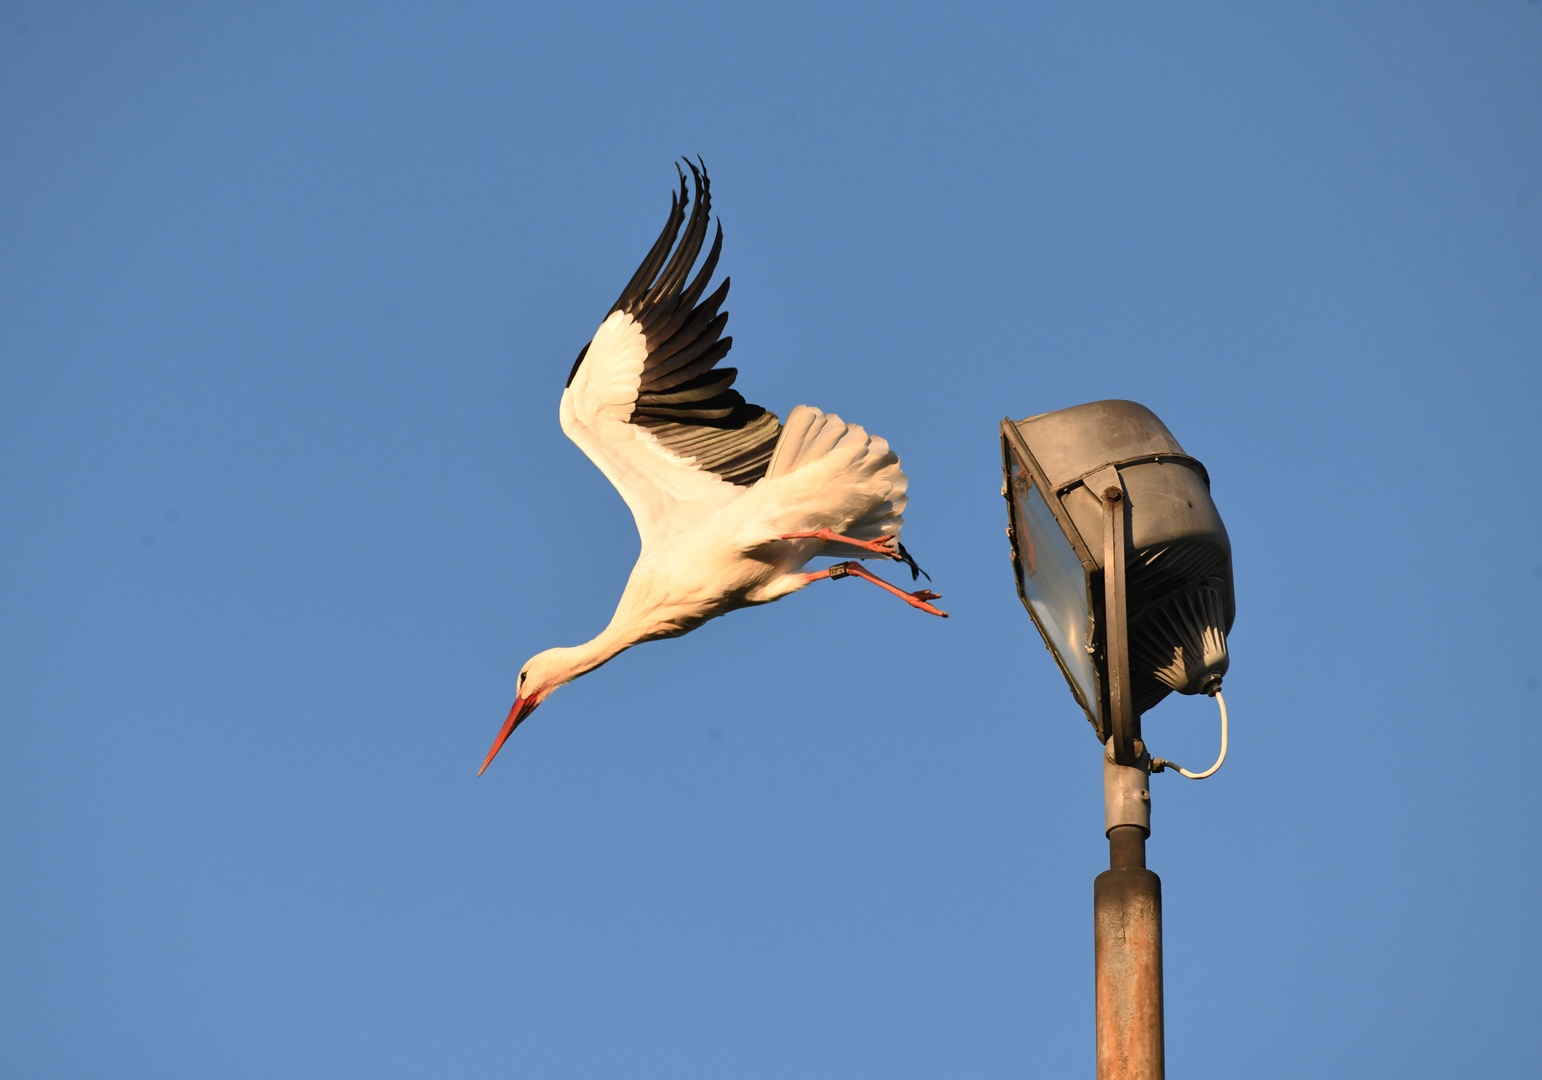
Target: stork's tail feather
810, 437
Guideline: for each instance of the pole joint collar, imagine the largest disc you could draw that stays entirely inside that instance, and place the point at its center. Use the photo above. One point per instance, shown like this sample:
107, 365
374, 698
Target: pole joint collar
1127, 790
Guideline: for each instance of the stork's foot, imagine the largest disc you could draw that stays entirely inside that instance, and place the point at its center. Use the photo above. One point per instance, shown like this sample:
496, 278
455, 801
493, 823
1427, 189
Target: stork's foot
886, 546
855, 569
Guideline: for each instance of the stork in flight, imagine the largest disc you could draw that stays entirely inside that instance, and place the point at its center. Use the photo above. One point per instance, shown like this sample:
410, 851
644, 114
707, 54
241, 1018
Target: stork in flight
730, 504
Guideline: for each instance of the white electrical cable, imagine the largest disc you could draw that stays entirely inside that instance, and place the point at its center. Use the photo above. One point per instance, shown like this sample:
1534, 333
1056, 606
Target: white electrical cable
1218, 761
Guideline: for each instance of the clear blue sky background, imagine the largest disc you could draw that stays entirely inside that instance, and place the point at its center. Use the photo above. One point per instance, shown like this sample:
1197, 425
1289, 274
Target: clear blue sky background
287, 298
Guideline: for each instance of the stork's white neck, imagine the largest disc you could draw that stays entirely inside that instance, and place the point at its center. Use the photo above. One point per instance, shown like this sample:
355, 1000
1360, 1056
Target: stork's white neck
572, 661
643, 614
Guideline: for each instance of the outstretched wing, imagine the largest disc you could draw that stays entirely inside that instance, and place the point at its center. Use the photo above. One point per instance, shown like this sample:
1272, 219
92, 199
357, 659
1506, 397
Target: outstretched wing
645, 399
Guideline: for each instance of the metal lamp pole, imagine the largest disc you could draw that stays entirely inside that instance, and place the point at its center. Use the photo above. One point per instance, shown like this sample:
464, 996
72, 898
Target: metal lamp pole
1127, 932
1113, 467
1126, 898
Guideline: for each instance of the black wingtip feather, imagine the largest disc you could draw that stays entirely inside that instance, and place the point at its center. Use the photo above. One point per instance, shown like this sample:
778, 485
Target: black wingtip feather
574, 372
915, 569
683, 399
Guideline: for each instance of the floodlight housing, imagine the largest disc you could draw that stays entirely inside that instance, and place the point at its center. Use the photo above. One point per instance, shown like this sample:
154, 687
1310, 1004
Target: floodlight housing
1106, 483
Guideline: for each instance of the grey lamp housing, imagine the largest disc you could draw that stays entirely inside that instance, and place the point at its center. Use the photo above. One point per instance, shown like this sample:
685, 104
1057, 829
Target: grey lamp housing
1106, 483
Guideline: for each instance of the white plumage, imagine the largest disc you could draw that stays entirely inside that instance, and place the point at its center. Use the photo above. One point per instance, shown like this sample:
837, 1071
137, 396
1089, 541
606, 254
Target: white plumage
729, 504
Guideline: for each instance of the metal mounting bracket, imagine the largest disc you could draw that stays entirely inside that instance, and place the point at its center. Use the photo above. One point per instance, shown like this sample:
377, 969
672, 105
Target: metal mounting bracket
1123, 726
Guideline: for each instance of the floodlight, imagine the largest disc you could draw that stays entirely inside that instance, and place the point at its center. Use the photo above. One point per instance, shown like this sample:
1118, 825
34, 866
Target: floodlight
1107, 484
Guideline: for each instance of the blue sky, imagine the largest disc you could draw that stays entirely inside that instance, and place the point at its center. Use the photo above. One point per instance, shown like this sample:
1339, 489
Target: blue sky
287, 298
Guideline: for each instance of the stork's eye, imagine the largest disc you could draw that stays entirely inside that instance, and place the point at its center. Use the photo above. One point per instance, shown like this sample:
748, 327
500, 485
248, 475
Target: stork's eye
522, 675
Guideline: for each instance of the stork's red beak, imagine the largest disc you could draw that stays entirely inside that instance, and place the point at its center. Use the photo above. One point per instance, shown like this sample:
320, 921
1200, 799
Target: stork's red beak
523, 707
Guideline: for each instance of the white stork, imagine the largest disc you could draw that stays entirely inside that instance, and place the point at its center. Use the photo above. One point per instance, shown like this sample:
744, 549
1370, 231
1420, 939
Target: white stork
730, 504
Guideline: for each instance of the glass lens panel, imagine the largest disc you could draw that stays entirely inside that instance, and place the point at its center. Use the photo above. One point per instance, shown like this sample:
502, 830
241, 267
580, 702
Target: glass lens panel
1054, 582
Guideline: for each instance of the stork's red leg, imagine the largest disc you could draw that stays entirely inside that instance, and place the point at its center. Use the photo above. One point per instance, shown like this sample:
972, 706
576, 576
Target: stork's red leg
884, 545
914, 599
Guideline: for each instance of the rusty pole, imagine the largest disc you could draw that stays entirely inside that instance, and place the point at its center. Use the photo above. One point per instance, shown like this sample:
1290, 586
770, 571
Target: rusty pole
1127, 930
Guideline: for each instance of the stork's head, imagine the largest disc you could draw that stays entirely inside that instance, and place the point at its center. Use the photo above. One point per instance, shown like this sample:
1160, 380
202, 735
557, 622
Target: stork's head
542, 674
